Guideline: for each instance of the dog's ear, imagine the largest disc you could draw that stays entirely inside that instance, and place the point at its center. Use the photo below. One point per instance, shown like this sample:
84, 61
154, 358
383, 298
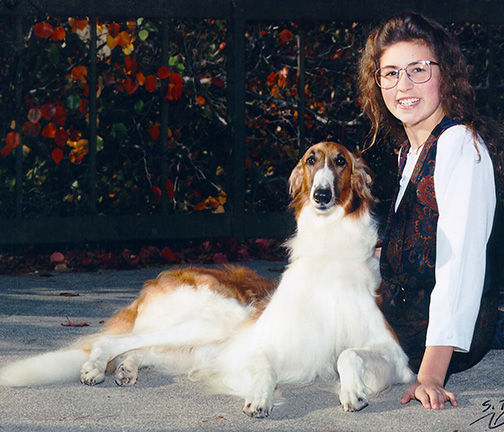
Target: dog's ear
362, 179
296, 179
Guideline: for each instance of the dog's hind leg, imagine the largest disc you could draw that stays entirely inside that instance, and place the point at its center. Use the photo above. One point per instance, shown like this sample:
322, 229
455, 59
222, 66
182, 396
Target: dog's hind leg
367, 371
126, 373
193, 332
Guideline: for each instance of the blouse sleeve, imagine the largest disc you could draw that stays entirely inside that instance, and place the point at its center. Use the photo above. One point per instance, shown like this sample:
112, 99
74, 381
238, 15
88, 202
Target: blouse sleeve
465, 193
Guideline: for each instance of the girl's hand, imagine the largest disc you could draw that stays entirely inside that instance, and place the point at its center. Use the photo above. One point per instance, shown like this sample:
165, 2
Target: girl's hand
431, 394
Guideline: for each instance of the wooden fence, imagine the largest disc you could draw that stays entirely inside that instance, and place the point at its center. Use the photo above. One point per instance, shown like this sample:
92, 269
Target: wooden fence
236, 223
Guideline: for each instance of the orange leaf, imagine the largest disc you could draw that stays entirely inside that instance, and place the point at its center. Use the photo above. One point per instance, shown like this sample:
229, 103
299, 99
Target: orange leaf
30, 129
112, 41
79, 73
77, 24
34, 115
285, 36
43, 30
59, 34
124, 38
81, 149
140, 77
163, 72
200, 100
272, 78
49, 131
150, 83
57, 155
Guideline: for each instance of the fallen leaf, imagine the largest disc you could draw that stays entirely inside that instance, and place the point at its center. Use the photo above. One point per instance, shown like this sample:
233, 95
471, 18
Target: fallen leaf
74, 324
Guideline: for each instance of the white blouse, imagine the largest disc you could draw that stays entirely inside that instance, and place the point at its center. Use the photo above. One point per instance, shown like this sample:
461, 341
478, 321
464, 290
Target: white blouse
465, 193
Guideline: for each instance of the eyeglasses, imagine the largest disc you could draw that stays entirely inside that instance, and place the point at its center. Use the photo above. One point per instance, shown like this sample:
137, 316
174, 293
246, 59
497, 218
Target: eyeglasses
418, 72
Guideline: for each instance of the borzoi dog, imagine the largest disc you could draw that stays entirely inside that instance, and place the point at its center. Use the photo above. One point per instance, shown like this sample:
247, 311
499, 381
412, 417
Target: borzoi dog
243, 334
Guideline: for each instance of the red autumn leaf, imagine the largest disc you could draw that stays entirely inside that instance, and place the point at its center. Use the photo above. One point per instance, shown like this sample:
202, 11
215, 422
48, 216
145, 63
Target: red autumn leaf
123, 39
154, 132
170, 189
61, 137
222, 46
130, 85
131, 64
74, 324
47, 111
272, 78
168, 255
150, 83
163, 72
156, 193
73, 134
13, 140
59, 34
68, 294
176, 79
57, 258
43, 30
57, 155
175, 91
83, 106
113, 29
217, 82
59, 117
285, 36
219, 258
30, 129
49, 131
34, 115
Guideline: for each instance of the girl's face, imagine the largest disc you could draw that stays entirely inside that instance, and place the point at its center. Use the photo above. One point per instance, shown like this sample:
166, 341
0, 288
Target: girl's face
417, 106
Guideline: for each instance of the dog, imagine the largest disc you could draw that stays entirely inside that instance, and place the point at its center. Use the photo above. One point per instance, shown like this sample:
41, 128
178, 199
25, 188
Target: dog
243, 334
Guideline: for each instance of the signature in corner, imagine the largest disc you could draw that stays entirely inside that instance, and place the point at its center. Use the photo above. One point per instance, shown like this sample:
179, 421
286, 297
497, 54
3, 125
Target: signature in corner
493, 412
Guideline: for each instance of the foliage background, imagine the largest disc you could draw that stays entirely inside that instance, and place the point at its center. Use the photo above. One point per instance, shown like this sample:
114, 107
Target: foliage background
44, 109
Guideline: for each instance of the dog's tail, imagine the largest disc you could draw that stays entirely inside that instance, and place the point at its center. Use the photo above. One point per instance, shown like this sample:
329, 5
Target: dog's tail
50, 368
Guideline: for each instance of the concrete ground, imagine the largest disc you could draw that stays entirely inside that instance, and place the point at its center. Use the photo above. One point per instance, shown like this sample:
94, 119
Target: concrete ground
32, 310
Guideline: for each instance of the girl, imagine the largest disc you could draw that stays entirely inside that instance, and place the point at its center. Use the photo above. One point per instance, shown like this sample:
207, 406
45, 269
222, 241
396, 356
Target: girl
436, 291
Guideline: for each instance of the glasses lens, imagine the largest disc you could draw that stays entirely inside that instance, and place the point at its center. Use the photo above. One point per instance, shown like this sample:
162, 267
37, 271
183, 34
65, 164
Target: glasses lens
419, 72
386, 77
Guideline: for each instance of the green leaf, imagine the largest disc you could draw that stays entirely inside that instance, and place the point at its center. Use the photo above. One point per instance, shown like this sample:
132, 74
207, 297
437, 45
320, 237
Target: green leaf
139, 106
73, 101
119, 130
143, 34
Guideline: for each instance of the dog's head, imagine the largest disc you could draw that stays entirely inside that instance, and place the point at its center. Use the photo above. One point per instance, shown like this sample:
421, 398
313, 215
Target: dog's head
330, 176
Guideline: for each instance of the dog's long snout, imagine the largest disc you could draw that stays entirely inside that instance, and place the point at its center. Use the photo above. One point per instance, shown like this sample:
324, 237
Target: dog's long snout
322, 195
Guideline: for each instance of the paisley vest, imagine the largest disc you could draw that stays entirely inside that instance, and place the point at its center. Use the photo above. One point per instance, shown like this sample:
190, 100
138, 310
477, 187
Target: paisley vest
408, 256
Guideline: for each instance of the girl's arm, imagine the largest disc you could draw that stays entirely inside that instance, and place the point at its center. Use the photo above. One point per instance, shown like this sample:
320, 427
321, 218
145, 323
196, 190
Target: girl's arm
429, 389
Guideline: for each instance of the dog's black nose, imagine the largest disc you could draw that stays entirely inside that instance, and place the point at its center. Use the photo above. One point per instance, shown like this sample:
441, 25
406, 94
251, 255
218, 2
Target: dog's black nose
322, 196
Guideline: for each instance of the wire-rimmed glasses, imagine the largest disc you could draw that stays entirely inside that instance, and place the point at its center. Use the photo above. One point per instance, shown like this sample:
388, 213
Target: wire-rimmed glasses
418, 72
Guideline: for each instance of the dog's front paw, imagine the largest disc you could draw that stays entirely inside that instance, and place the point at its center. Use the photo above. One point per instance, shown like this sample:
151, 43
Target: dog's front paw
126, 374
353, 401
258, 406
92, 373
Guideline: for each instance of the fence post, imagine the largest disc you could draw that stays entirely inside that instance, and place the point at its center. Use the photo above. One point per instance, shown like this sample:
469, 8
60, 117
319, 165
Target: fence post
238, 118
301, 44
165, 57
18, 97
93, 116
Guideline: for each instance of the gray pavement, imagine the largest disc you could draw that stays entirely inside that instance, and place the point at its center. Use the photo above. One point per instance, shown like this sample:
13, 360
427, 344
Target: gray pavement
31, 313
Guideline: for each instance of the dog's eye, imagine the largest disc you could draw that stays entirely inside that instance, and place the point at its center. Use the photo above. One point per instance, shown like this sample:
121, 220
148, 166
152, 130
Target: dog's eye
340, 161
310, 160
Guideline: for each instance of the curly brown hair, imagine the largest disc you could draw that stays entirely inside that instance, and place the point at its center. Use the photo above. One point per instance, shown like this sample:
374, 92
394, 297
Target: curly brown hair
458, 98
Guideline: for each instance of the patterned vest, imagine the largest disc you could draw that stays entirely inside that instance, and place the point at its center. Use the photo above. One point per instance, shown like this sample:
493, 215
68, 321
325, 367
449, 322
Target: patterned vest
409, 251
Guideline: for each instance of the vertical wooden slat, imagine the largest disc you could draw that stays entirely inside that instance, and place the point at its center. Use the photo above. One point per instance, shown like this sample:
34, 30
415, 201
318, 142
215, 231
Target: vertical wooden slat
18, 97
165, 57
238, 118
93, 117
491, 74
301, 44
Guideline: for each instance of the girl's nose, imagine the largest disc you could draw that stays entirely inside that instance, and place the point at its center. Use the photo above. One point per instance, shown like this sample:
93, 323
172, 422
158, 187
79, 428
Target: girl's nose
404, 83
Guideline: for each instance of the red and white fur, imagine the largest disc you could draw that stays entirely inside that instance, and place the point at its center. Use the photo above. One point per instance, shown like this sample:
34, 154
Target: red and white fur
245, 336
